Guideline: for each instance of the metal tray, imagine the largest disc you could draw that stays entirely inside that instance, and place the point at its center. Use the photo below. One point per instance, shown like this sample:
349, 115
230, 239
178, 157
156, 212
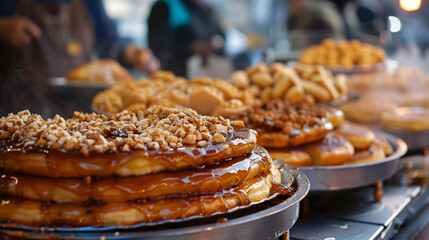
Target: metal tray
340, 177
62, 84
267, 220
415, 140
358, 69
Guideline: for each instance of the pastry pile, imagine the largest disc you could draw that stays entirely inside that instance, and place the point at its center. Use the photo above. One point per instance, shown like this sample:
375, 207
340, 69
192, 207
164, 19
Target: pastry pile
205, 95
396, 100
345, 54
294, 85
101, 71
303, 135
128, 168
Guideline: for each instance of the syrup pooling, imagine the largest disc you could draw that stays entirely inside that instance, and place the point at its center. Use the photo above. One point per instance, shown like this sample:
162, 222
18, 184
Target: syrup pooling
210, 179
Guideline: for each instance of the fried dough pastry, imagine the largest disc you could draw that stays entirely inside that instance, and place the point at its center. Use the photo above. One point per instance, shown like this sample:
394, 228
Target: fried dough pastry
406, 118
372, 154
105, 71
210, 179
332, 150
129, 168
279, 124
124, 144
294, 157
367, 110
37, 213
203, 94
384, 144
291, 84
345, 54
360, 137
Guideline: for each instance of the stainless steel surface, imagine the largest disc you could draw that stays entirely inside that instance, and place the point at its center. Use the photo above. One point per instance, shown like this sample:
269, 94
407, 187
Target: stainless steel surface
328, 178
414, 140
353, 214
258, 222
321, 228
61, 83
395, 200
358, 69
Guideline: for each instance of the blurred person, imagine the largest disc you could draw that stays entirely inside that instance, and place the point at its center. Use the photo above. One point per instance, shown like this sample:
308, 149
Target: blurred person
41, 39
311, 21
178, 29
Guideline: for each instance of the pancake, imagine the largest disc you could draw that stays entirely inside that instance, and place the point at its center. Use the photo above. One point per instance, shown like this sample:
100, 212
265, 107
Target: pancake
332, 150
360, 137
210, 179
35, 213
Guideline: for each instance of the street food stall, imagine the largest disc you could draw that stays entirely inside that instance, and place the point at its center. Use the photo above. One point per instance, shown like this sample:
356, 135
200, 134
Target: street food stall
304, 120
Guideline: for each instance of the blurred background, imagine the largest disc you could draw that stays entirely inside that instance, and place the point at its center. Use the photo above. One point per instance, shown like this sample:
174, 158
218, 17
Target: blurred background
275, 30
43, 41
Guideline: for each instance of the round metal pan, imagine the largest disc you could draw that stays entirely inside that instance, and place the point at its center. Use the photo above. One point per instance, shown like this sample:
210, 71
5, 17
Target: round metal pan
358, 69
267, 220
415, 141
62, 84
340, 177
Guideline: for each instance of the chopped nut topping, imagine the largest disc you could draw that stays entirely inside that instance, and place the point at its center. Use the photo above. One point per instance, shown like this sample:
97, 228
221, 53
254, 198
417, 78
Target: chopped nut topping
282, 116
156, 128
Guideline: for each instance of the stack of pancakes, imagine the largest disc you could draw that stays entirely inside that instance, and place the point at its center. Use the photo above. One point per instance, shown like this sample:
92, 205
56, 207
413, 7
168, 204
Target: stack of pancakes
304, 135
129, 168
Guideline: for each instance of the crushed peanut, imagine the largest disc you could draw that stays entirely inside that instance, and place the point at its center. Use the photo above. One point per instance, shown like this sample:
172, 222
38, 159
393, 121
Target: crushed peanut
282, 116
156, 128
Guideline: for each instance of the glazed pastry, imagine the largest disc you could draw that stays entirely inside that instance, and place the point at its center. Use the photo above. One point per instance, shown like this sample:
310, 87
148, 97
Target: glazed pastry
332, 150
279, 124
104, 71
367, 110
360, 137
372, 154
128, 168
294, 157
406, 118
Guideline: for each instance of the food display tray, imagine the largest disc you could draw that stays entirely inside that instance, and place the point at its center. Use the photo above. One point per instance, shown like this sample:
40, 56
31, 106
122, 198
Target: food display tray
415, 140
358, 69
267, 220
61, 84
341, 177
